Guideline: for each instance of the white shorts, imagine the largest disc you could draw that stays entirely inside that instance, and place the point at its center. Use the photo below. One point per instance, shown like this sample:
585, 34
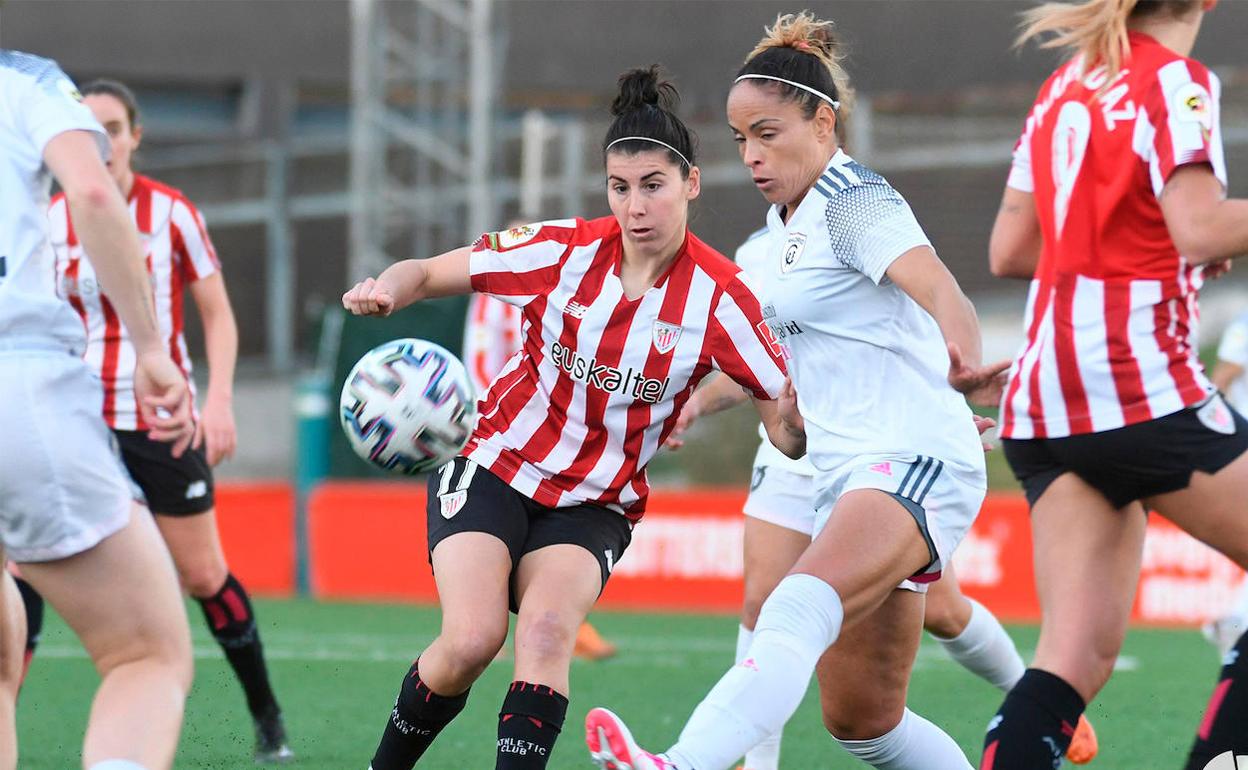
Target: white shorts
783, 498
63, 487
944, 500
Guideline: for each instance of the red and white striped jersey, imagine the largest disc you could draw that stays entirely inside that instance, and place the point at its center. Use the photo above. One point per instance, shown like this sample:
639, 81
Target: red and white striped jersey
602, 377
491, 337
179, 252
1111, 316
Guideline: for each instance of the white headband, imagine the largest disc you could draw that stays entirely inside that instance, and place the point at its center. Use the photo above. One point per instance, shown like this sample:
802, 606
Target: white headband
680, 154
835, 104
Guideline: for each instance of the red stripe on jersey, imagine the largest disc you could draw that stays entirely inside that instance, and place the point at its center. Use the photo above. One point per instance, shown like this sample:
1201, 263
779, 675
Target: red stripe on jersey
75, 299
1169, 312
1163, 143
1067, 357
1042, 295
112, 351
1122, 361
546, 438
141, 194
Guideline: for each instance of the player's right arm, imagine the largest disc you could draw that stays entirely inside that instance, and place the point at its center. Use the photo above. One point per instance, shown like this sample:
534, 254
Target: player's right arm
111, 243
1204, 224
1014, 249
410, 281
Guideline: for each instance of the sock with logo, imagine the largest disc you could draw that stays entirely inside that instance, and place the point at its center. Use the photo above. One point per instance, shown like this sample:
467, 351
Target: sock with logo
33, 603
766, 754
985, 649
233, 625
1223, 728
418, 716
1033, 728
528, 726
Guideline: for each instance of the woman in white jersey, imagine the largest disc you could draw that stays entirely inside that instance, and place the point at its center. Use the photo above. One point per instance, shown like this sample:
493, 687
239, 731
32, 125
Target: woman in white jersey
870, 318
1115, 207
623, 316
779, 522
67, 514
181, 260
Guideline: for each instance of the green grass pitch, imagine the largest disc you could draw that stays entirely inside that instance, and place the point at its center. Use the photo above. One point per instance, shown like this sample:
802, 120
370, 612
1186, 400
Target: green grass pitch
337, 666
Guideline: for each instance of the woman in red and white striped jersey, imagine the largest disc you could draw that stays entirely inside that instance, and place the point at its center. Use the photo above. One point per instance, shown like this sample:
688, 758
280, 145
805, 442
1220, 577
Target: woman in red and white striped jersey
622, 317
179, 490
1114, 209
491, 338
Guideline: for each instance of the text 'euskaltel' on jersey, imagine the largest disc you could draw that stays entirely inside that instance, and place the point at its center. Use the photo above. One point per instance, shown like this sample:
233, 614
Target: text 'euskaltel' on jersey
610, 379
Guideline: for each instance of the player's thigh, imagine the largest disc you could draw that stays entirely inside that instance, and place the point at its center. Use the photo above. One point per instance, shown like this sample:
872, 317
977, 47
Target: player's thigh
869, 545
1087, 563
770, 551
194, 541
120, 597
555, 588
864, 676
947, 611
1213, 508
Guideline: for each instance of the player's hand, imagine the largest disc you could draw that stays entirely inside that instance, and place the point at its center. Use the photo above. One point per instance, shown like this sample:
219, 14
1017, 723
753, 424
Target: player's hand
981, 385
369, 297
164, 400
1215, 270
983, 425
787, 408
216, 431
684, 421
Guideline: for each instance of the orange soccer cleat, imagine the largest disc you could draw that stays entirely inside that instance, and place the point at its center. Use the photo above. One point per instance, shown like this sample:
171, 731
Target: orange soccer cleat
590, 645
1083, 746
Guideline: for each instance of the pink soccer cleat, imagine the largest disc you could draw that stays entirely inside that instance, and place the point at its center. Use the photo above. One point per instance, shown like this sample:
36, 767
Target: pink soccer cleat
612, 747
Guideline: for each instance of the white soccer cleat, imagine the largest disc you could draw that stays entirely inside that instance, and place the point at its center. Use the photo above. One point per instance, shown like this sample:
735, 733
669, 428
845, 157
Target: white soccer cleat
612, 747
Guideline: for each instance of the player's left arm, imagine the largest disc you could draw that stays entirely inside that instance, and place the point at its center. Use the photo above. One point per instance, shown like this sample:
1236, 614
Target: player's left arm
784, 424
216, 430
920, 273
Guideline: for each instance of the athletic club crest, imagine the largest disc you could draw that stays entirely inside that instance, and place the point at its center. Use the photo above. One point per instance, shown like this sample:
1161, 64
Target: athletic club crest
665, 336
453, 503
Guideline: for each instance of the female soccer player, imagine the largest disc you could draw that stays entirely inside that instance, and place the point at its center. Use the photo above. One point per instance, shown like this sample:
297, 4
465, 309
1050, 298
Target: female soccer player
623, 316
878, 331
491, 337
1115, 204
66, 511
178, 490
779, 522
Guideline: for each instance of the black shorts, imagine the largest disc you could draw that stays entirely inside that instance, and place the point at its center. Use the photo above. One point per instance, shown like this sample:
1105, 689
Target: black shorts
172, 486
464, 497
1137, 461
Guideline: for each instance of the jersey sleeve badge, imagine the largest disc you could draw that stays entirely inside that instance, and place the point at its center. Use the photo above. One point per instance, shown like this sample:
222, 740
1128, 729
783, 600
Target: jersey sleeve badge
509, 239
1192, 103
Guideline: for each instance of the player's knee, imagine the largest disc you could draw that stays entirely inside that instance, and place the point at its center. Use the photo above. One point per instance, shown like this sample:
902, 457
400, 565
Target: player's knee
752, 604
945, 620
545, 636
168, 652
857, 723
202, 578
471, 650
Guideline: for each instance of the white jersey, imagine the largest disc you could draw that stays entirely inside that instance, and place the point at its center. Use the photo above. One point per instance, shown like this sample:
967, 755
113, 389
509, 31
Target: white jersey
752, 256
37, 102
1233, 349
868, 363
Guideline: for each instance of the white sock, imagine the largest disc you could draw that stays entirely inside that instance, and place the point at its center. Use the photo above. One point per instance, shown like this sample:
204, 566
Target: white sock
799, 621
1239, 609
766, 755
914, 744
116, 764
985, 649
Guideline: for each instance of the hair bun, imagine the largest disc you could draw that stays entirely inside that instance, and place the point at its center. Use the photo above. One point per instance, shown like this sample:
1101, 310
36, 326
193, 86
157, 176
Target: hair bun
642, 87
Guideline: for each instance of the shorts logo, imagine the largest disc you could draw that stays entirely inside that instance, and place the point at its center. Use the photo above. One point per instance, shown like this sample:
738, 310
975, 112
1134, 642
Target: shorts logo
665, 336
1228, 761
196, 489
885, 468
453, 503
610, 554
1216, 416
793, 249
757, 480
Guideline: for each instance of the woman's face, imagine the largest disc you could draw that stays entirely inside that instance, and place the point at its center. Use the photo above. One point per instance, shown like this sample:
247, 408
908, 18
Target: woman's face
784, 151
123, 137
649, 199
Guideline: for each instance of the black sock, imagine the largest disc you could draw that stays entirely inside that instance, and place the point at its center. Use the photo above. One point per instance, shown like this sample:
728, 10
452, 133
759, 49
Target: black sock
1224, 726
528, 726
418, 716
1035, 724
33, 603
233, 625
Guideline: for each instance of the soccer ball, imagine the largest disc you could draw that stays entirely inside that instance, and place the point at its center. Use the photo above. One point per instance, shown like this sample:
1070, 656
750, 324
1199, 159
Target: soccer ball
408, 406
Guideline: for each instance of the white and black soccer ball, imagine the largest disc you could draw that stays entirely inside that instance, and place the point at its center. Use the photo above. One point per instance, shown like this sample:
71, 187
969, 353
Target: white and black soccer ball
408, 406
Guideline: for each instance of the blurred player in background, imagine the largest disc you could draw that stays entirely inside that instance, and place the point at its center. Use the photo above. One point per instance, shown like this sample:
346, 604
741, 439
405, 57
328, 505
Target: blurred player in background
883, 349
179, 490
1230, 380
67, 513
491, 337
1114, 208
623, 316
779, 524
